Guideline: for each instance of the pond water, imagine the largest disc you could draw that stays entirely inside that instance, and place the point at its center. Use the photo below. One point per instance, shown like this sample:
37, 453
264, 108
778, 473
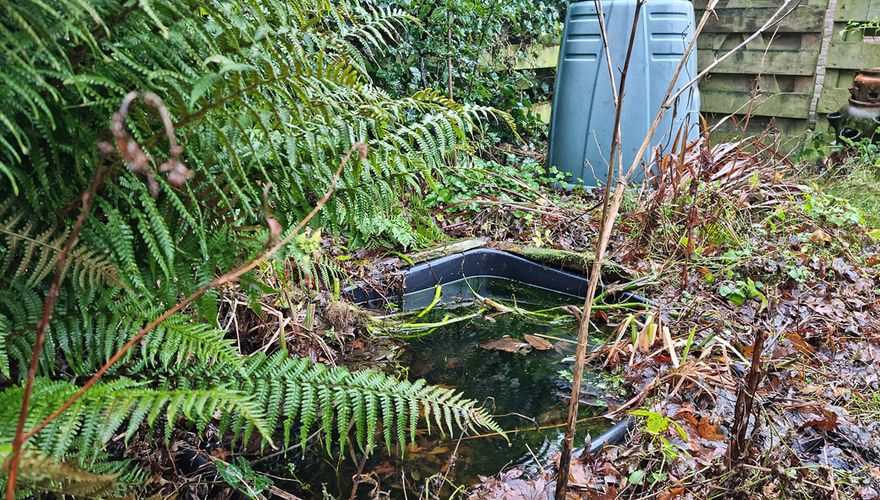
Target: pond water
522, 385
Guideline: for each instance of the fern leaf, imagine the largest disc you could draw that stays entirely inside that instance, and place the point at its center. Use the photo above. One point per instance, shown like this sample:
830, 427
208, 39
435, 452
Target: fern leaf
39, 473
90, 422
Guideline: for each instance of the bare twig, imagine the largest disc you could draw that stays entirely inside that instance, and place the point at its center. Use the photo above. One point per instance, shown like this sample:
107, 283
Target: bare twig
610, 216
60, 266
601, 245
356, 478
775, 19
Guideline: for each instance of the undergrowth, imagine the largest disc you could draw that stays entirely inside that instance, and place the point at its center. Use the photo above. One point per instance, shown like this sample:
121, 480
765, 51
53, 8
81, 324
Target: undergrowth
265, 97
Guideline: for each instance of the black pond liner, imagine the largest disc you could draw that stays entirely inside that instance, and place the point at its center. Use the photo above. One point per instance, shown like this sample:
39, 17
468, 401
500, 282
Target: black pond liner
491, 263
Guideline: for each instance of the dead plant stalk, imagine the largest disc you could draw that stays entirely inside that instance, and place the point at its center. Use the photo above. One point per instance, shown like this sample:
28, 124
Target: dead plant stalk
609, 215
745, 400
60, 266
137, 162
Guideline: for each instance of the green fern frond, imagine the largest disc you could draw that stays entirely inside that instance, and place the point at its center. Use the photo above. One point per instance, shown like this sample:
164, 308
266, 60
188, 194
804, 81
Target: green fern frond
85, 343
39, 473
311, 394
32, 253
102, 412
5, 332
271, 93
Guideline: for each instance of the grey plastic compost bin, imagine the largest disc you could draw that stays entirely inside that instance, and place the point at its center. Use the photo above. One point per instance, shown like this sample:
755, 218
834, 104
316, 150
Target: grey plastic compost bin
583, 107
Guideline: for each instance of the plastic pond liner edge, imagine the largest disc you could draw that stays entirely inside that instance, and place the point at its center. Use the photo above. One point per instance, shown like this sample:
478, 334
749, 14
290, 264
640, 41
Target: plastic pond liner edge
491, 263
477, 263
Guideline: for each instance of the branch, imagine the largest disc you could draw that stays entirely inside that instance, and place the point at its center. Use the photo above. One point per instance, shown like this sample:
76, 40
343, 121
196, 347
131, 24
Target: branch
229, 277
601, 245
138, 162
60, 266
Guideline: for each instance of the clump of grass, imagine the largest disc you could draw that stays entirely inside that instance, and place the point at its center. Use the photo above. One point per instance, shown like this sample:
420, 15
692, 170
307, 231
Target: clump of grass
860, 185
866, 406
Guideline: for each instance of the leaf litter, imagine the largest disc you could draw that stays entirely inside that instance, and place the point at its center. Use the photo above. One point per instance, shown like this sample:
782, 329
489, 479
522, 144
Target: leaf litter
792, 262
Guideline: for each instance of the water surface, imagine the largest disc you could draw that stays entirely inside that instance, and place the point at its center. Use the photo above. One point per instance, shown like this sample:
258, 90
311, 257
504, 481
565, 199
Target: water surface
524, 389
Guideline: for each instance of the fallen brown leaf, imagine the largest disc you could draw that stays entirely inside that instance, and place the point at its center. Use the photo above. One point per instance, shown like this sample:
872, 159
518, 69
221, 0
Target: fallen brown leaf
537, 342
671, 494
707, 430
826, 423
506, 344
799, 343
819, 236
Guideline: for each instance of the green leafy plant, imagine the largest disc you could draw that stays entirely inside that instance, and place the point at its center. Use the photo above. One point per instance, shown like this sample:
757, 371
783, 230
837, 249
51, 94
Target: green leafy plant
861, 26
264, 99
831, 209
41, 474
471, 46
656, 424
739, 291
242, 477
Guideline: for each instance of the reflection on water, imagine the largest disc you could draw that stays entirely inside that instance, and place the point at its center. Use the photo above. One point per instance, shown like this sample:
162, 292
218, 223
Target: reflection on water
522, 388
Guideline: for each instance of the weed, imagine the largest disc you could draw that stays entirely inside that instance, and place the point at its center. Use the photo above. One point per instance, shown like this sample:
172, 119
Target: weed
739, 291
243, 478
657, 424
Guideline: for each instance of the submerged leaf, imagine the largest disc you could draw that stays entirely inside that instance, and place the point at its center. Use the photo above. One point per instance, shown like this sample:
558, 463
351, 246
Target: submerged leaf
537, 342
506, 344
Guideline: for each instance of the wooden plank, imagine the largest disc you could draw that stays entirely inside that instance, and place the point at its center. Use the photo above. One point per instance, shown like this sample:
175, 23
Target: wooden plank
542, 109
852, 55
773, 62
772, 128
749, 19
770, 84
758, 124
538, 57
857, 10
776, 62
832, 100
513, 57
783, 105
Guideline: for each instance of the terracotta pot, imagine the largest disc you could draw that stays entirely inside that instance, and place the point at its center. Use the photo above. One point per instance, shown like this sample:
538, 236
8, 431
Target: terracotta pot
861, 117
866, 88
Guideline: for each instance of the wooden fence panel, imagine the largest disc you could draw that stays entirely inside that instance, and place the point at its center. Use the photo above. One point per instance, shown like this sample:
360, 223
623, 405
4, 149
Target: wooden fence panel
773, 78
851, 48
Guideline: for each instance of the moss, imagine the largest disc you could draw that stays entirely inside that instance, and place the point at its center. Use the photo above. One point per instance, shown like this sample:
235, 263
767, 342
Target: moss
575, 261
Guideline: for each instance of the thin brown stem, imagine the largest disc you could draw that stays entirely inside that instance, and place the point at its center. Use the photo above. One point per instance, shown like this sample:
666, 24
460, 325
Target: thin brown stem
357, 476
137, 162
223, 279
601, 245
60, 266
